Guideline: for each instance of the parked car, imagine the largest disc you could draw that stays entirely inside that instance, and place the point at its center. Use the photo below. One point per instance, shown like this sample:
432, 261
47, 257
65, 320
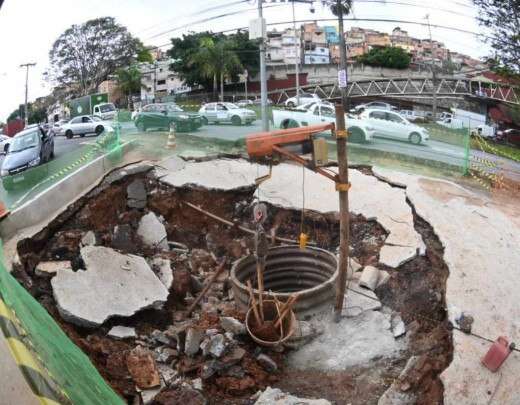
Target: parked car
373, 104
411, 116
29, 148
244, 103
307, 106
167, 116
85, 124
226, 113
304, 98
389, 124
258, 101
318, 113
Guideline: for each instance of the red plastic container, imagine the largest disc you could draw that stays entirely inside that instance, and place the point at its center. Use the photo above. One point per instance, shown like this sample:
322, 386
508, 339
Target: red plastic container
497, 354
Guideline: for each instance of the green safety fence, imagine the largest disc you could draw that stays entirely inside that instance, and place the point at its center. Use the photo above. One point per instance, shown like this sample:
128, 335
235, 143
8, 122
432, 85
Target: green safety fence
56, 370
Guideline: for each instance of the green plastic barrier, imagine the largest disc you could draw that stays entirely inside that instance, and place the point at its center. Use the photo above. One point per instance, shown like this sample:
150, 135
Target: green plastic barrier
60, 372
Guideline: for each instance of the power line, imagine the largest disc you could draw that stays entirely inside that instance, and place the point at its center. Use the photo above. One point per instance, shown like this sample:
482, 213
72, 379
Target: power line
197, 13
401, 3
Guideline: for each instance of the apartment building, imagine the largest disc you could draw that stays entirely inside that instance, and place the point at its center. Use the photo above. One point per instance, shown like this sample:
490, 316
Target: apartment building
158, 80
283, 47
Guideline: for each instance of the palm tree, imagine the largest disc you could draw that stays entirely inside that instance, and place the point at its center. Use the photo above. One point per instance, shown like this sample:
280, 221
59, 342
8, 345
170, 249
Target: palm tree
345, 6
216, 60
129, 81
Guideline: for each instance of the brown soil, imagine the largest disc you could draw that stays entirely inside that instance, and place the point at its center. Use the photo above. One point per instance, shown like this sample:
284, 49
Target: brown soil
416, 290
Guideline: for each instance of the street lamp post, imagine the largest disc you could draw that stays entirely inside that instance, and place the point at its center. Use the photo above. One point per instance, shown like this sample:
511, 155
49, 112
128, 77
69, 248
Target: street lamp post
296, 61
433, 72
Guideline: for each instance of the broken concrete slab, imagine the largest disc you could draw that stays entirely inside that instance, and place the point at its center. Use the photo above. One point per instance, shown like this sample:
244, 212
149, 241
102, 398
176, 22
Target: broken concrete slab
398, 326
384, 276
49, 269
222, 174
369, 277
359, 300
351, 342
168, 166
152, 232
490, 241
113, 284
275, 396
136, 194
122, 332
162, 268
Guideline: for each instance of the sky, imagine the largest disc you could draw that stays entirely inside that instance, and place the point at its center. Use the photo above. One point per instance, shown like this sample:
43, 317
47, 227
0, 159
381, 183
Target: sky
28, 28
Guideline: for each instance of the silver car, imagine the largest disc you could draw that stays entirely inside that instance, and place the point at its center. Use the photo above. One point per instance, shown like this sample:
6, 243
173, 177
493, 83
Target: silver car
85, 124
226, 113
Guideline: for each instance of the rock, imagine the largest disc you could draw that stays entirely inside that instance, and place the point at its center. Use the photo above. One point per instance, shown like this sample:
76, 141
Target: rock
369, 278
122, 238
234, 371
49, 269
193, 339
122, 332
182, 285
274, 396
166, 355
136, 194
267, 363
232, 325
148, 396
383, 278
234, 356
393, 396
398, 326
353, 267
168, 375
205, 346
210, 368
113, 284
197, 384
142, 368
465, 322
152, 232
89, 239
160, 337
163, 270
217, 345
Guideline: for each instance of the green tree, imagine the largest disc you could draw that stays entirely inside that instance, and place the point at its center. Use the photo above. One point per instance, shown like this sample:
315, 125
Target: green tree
346, 7
189, 58
388, 57
216, 60
129, 82
502, 18
143, 54
85, 55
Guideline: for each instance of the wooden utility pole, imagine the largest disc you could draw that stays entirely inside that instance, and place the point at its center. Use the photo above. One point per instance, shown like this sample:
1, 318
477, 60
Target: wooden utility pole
342, 186
26, 66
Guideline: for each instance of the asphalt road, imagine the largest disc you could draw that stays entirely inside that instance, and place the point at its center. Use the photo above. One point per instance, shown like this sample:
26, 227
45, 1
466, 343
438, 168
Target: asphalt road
69, 150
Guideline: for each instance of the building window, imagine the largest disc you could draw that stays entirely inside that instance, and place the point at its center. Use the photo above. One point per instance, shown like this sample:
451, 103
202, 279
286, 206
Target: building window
161, 82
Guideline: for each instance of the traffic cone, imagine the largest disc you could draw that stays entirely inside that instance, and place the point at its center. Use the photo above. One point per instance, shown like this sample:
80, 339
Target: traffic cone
171, 144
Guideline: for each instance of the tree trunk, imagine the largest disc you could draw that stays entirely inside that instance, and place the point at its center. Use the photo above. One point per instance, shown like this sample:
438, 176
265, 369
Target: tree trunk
222, 86
215, 86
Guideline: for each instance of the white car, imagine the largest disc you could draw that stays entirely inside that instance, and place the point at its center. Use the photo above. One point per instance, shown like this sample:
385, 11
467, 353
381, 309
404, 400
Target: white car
373, 104
411, 116
389, 124
319, 113
85, 124
304, 98
226, 113
4, 141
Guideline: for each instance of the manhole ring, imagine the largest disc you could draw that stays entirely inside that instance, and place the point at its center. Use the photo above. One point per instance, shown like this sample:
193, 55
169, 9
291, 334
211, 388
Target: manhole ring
311, 272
